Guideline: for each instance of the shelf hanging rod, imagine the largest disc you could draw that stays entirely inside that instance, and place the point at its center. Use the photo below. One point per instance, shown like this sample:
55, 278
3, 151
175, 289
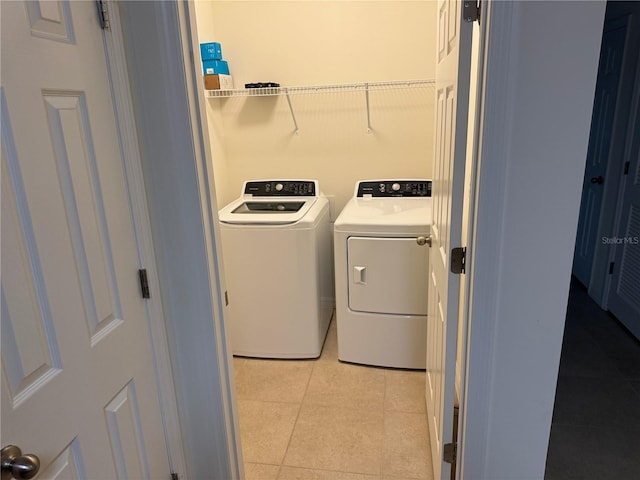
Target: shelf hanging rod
366, 96
293, 115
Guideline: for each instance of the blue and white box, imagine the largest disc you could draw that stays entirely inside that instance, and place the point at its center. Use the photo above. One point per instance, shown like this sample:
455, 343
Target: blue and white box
213, 67
211, 51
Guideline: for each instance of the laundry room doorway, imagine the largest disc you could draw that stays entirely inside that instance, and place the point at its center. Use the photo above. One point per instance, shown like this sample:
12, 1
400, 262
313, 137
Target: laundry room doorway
491, 381
359, 104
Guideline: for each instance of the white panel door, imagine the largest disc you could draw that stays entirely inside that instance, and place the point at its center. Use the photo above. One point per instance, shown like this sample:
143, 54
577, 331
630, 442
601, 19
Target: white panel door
387, 275
78, 382
452, 103
624, 294
602, 122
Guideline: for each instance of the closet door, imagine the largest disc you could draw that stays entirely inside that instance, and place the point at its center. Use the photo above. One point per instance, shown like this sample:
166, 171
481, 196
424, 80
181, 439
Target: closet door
79, 385
602, 123
624, 295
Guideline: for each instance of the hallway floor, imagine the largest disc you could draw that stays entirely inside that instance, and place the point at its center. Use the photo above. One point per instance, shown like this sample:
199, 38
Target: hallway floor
595, 432
325, 420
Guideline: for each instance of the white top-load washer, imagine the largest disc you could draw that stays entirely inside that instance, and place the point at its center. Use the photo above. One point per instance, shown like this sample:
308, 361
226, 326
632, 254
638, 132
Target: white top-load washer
276, 244
381, 263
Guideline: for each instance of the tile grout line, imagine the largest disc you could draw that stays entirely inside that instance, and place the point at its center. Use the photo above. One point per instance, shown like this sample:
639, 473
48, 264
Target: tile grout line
295, 423
384, 414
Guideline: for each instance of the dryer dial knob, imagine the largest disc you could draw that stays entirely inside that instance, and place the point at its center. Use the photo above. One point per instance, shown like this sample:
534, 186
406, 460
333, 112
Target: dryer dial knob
279, 187
395, 187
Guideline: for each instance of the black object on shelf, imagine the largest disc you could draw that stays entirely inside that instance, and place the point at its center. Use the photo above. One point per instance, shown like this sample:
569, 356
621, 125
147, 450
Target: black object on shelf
262, 85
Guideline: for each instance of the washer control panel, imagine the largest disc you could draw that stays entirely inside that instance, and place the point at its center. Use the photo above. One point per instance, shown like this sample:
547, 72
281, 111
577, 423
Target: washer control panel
394, 188
281, 188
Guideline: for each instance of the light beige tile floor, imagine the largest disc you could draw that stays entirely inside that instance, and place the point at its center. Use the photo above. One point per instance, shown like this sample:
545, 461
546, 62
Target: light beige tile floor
326, 420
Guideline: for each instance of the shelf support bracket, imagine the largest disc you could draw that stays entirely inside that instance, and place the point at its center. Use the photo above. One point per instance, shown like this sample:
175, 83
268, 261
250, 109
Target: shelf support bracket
293, 115
366, 96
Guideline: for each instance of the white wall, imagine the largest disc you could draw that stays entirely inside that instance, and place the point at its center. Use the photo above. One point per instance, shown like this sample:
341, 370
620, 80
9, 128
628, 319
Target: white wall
322, 42
206, 33
528, 221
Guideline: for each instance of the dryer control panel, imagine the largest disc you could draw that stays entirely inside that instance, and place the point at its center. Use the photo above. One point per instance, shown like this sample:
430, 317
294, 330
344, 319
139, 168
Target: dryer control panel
281, 188
394, 188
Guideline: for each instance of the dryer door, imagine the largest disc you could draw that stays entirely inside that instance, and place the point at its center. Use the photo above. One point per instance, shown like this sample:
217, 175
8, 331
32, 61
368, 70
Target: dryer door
387, 275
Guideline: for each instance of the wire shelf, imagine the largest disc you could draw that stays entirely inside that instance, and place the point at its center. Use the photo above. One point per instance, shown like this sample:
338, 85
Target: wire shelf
316, 89
288, 92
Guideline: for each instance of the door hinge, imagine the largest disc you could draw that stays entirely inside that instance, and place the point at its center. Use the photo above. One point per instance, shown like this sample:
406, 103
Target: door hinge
174, 476
458, 260
471, 11
611, 268
103, 14
456, 415
144, 283
626, 168
226, 298
449, 452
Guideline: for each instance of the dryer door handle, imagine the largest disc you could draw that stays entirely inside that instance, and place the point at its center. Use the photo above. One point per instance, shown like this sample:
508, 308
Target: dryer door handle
360, 275
424, 240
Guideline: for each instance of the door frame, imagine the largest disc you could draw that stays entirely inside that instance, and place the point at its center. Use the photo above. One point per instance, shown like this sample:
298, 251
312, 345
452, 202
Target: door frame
479, 315
175, 149
121, 94
485, 415
518, 280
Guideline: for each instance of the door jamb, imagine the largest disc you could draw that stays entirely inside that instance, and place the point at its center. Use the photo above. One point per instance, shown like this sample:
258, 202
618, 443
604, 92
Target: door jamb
130, 153
480, 302
175, 148
464, 321
202, 149
501, 58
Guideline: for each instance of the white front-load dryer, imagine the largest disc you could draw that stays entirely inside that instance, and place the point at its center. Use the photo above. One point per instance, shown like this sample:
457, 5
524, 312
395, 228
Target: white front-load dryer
276, 245
381, 264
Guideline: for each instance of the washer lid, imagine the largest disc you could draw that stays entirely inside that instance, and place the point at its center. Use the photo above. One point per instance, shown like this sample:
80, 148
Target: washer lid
266, 210
252, 207
271, 202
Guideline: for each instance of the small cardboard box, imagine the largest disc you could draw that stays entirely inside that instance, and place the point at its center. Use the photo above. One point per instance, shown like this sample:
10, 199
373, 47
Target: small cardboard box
218, 82
211, 67
211, 51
